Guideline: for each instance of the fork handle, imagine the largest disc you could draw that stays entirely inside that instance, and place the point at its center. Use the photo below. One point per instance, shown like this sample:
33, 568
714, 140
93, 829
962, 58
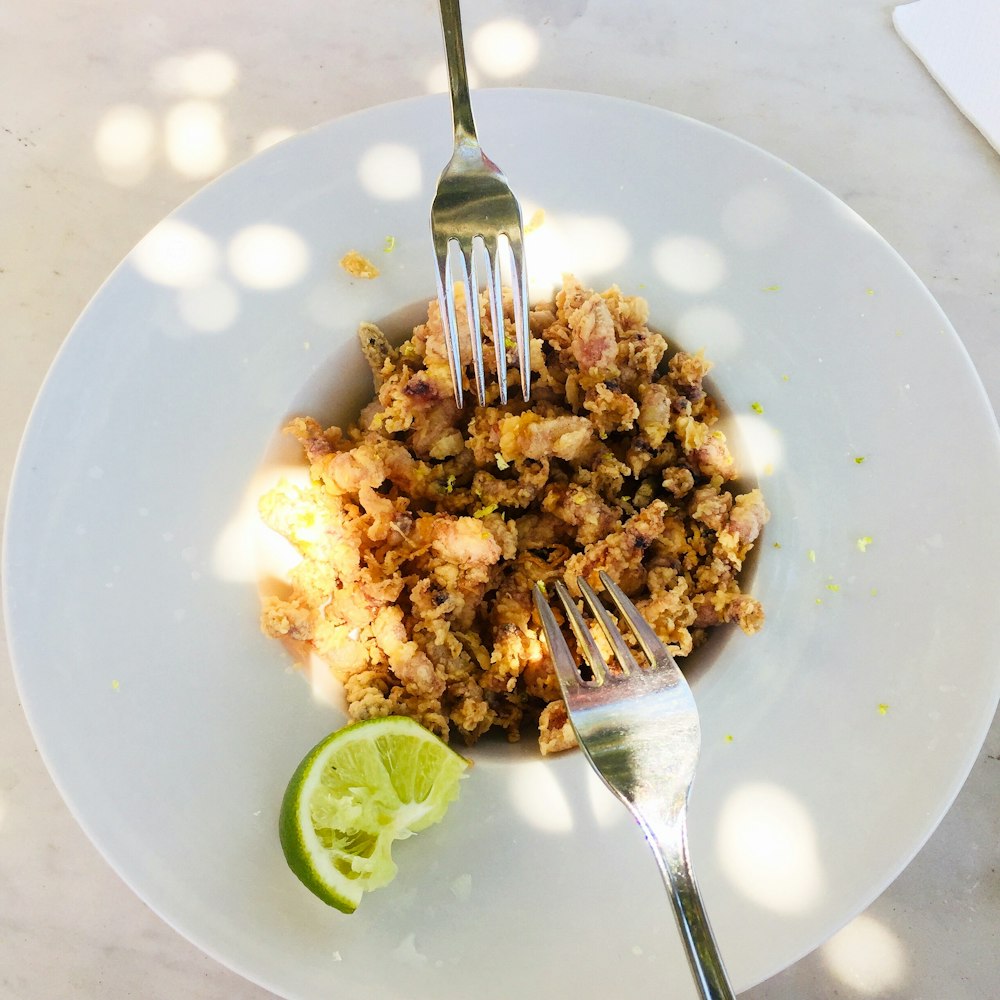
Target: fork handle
668, 839
458, 76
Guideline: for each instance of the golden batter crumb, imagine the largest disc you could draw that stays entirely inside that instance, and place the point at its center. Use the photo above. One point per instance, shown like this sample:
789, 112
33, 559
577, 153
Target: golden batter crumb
536, 221
425, 527
358, 266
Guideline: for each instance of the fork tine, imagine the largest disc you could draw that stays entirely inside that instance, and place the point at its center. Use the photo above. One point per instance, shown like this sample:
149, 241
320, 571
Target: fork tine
471, 278
562, 659
583, 635
496, 317
517, 284
446, 306
655, 650
614, 637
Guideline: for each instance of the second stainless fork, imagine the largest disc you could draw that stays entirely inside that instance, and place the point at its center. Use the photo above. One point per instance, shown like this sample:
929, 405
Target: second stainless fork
474, 203
640, 731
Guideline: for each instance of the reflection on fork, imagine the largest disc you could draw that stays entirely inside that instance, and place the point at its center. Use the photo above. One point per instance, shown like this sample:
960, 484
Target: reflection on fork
639, 729
475, 214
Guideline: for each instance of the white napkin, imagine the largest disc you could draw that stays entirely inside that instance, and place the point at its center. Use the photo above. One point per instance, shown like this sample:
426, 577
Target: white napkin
959, 43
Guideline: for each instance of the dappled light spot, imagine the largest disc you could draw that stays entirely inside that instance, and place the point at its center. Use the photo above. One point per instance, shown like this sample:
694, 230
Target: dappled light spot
867, 957
210, 307
246, 550
267, 256
604, 806
391, 171
194, 138
711, 328
436, 80
762, 441
539, 798
504, 48
201, 73
766, 844
271, 137
176, 254
689, 264
323, 684
124, 143
588, 245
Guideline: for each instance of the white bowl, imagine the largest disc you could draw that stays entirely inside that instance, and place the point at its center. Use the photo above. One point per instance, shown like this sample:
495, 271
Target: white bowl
171, 724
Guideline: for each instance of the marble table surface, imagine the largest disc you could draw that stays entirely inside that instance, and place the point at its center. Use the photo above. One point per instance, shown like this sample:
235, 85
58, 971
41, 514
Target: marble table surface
827, 86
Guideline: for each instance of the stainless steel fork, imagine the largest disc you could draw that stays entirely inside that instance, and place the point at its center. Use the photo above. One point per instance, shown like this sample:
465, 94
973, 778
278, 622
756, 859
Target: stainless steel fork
474, 203
640, 731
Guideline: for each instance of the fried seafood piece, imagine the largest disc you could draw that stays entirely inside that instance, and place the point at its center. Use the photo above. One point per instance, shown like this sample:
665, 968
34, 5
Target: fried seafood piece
518, 492
705, 449
410, 665
656, 416
516, 648
593, 340
611, 409
728, 608
687, 373
582, 509
669, 609
378, 353
555, 731
424, 528
747, 518
530, 435
620, 554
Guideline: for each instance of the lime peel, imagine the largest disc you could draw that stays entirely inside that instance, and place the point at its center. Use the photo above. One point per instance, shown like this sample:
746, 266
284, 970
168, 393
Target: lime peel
355, 793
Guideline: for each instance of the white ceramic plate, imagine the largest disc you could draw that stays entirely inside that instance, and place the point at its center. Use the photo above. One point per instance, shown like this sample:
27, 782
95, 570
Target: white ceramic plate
171, 724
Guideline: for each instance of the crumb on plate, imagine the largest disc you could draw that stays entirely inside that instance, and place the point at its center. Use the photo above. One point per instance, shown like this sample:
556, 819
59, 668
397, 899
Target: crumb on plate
536, 221
358, 266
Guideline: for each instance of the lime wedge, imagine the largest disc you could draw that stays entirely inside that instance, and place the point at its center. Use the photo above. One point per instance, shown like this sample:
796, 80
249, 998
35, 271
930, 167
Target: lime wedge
356, 792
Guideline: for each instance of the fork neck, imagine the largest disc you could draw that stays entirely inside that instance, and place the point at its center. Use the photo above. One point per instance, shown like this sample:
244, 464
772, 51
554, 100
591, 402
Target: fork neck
458, 77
